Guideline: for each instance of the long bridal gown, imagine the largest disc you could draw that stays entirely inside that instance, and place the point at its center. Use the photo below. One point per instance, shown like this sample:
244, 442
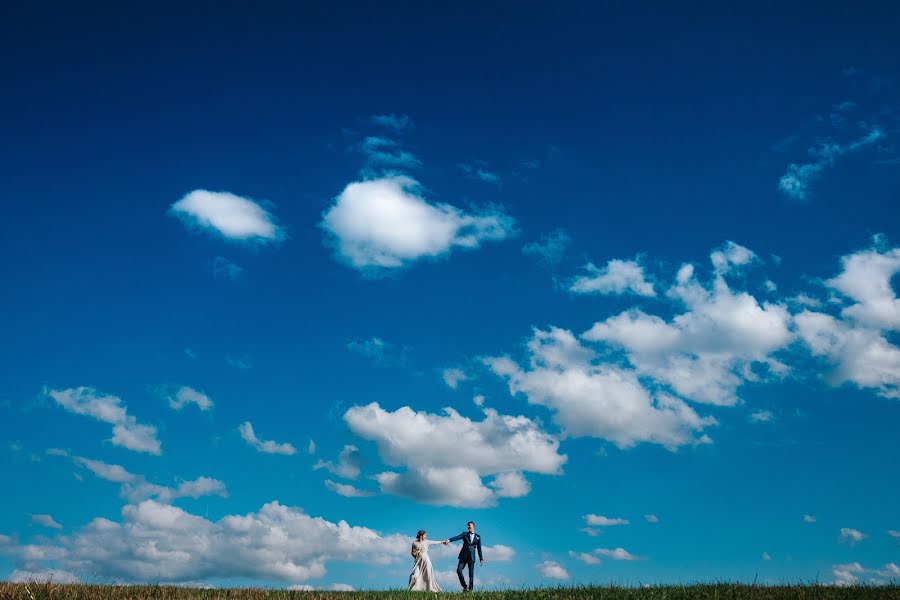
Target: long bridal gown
422, 577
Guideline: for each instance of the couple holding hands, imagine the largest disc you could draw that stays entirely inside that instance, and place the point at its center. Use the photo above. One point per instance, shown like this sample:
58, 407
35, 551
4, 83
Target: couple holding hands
422, 576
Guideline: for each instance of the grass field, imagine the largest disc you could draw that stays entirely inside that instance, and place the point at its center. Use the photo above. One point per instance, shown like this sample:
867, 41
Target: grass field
42, 591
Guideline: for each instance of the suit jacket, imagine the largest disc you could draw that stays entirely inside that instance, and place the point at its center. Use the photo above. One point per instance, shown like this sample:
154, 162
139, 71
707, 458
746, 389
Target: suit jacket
467, 552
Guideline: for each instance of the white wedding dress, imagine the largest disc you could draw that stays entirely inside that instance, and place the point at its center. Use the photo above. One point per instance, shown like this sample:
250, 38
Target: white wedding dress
422, 577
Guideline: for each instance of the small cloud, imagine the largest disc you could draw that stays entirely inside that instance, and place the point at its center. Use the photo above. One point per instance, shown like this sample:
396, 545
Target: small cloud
386, 223
380, 352
761, 416
894, 534
346, 490
341, 587
591, 531
766, 556
852, 536
550, 248
392, 122
232, 217
223, 268
311, 449
239, 362
190, 353
616, 554
617, 277
186, 395
652, 518
453, 377
601, 521
266, 446
809, 519
45, 521
552, 570
349, 465
478, 400
588, 559
478, 170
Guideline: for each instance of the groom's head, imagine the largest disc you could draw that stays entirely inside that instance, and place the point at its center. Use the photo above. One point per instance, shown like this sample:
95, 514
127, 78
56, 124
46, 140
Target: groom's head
471, 525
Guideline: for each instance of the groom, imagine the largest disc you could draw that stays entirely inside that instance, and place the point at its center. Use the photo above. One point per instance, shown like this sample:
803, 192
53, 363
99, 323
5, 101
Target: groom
471, 543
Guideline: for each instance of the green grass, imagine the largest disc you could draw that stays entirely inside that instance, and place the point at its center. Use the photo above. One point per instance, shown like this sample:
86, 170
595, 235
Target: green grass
719, 591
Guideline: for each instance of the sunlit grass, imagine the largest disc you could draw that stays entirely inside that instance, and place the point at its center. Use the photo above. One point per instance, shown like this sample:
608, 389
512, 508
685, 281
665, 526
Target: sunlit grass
720, 591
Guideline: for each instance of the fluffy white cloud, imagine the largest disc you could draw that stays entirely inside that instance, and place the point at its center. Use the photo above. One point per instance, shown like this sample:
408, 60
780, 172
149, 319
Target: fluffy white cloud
617, 277
156, 541
349, 463
894, 534
233, 217
267, 446
729, 256
704, 354
588, 559
601, 521
552, 570
109, 409
652, 518
46, 521
428, 445
809, 519
616, 554
346, 490
591, 398
761, 416
453, 377
866, 279
386, 223
186, 395
852, 535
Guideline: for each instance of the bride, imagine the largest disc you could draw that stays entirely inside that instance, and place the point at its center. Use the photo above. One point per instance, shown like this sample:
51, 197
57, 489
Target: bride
422, 576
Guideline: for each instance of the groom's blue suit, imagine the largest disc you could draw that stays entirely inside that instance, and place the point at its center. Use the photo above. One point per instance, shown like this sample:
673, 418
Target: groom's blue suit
471, 545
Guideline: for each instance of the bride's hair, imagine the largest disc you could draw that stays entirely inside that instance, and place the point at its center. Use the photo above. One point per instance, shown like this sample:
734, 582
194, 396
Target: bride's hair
420, 533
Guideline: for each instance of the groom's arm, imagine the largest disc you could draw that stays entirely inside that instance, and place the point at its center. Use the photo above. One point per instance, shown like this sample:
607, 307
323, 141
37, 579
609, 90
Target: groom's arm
456, 538
480, 557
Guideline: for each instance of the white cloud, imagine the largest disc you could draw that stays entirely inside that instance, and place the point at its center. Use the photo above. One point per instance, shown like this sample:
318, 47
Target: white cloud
478, 399
591, 531
550, 249
233, 217
601, 521
340, 587
809, 519
762, 416
852, 536
384, 153
386, 223
346, 490
652, 518
617, 277
597, 399
588, 559
894, 534
267, 446
109, 409
616, 554
478, 170
866, 279
46, 521
311, 448
849, 574
511, 485
552, 570
729, 256
428, 446
156, 541
706, 353
453, 377
766, 556
186, 395
349, 463
136, 488
796, 182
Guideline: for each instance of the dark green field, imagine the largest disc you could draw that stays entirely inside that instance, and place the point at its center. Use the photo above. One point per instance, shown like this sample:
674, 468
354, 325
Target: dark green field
41, 591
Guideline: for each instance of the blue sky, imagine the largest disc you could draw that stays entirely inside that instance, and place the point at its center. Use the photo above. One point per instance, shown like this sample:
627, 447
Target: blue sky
283, 285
